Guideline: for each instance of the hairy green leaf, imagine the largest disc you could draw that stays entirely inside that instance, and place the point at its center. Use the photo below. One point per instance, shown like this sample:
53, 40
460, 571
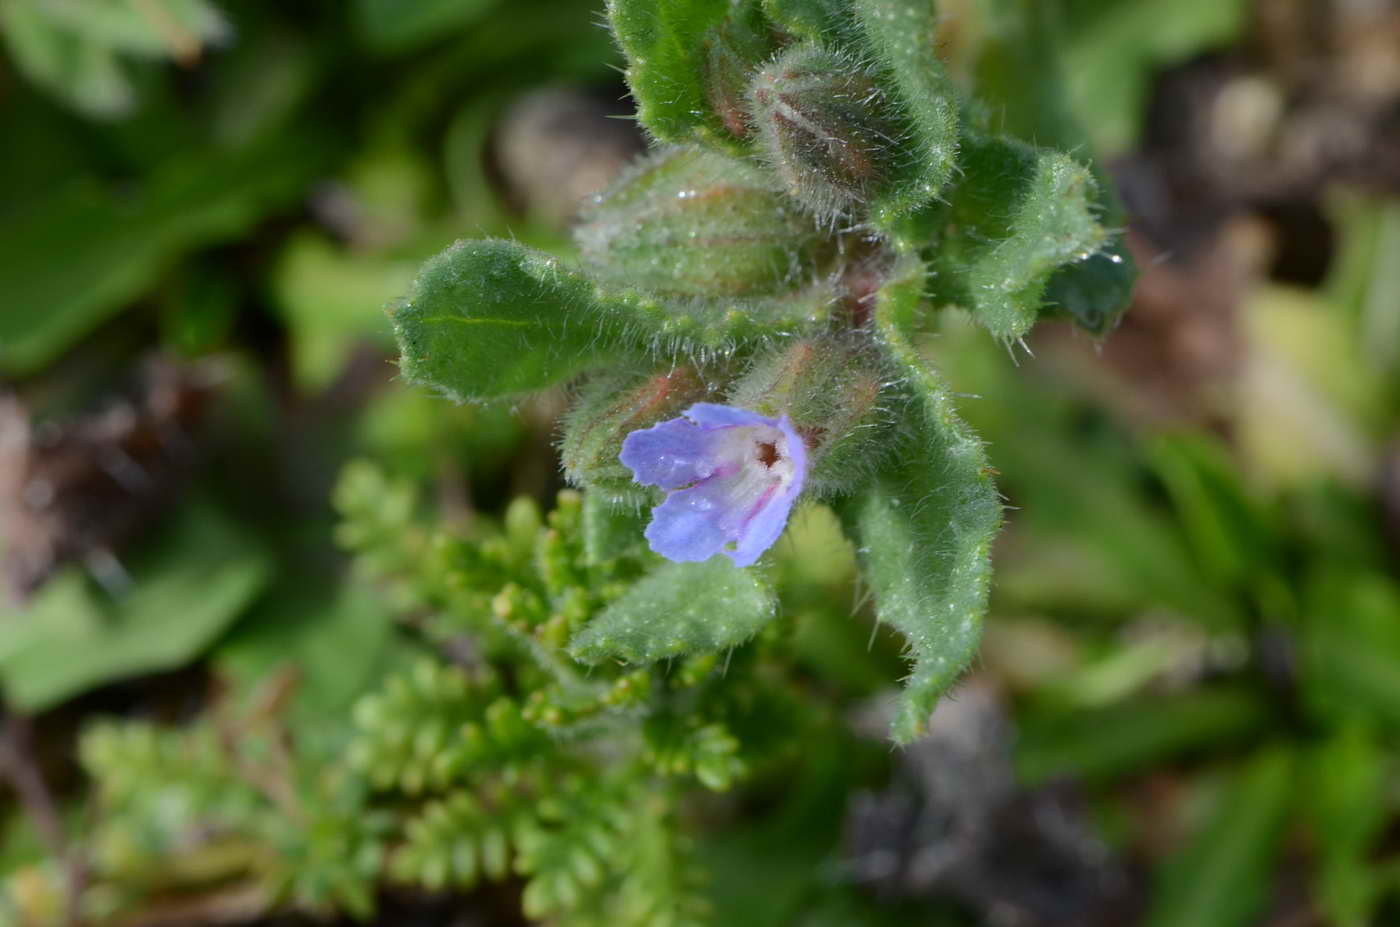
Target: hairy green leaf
681, 608
1222, 878
492, 318
1018, 215
925, 527
671, 49
1022, 86
903, 37
690, 222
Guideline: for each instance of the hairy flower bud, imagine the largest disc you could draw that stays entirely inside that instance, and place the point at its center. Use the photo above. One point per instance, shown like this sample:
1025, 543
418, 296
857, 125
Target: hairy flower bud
611, 407
831, 390
826, 125
691, 222
733, 51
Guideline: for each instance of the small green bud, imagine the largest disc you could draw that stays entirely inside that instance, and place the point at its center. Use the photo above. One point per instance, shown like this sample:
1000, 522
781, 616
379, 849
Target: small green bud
827, 126
690, 222
608, 409
831, 389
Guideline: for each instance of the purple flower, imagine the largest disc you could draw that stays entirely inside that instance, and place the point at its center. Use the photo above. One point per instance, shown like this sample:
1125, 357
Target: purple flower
733, 476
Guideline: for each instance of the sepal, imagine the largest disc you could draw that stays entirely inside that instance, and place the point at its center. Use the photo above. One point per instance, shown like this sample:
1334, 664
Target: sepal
607, 410
831, 388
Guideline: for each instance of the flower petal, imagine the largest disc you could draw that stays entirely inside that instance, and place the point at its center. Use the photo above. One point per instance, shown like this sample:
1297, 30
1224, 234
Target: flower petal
713, 415
673, 454
765, 524
694, 524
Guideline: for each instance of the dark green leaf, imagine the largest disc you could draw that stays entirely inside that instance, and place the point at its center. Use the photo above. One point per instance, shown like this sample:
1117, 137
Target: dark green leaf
1223, 877
1122, 738
680, 608
71, 260
1347, 783
1020, 83
393, 25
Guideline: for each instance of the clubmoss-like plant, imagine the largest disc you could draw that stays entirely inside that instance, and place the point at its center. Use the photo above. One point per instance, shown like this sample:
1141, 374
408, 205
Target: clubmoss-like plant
819, 189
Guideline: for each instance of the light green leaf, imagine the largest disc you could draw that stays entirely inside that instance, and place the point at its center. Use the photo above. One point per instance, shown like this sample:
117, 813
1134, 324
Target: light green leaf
1018, 215
680, 608
337, 640
1222, 878
925, 528
82, 73
1350, 645
333, 300
199, 575
1113, 49
168, 28
1229, 532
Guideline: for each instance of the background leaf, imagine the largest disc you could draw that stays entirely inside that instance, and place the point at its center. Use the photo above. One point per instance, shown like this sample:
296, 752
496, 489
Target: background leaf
1118, 739
1221, 878
71, 260
394, 25
198, 576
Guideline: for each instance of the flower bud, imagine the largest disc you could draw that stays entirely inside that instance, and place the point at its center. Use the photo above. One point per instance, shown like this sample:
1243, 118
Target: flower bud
608, 409
691, 222
826, 125
831, 390
733, 51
